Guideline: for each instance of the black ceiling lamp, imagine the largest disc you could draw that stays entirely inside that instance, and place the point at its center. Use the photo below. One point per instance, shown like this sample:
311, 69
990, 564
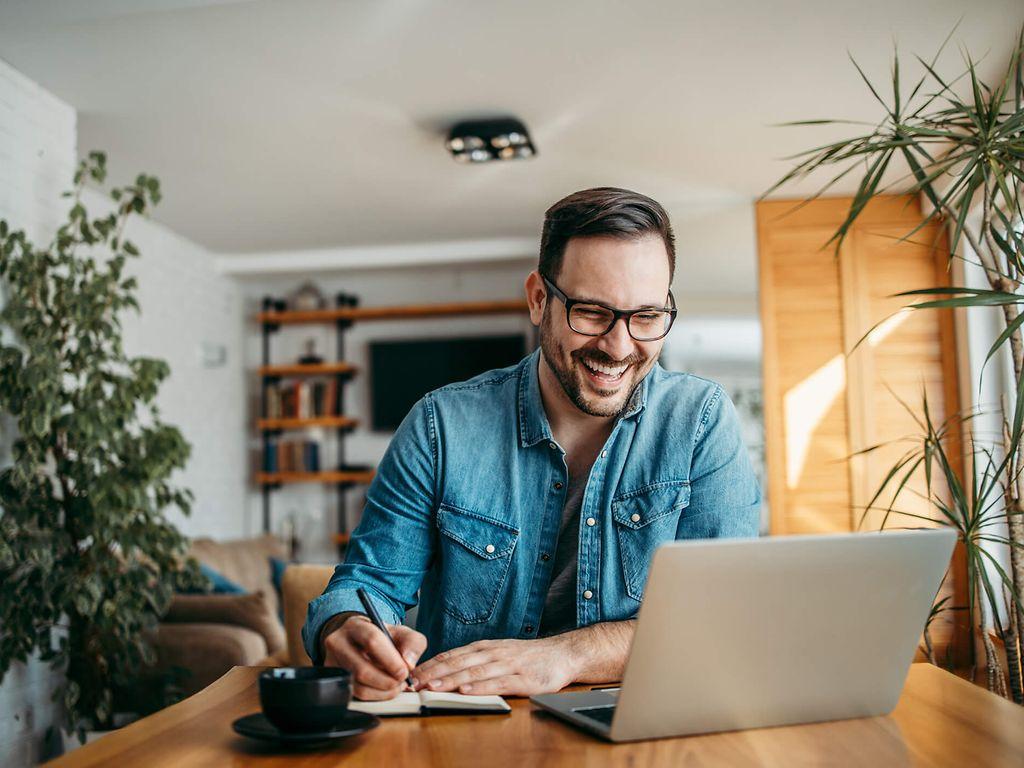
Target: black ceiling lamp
480, 141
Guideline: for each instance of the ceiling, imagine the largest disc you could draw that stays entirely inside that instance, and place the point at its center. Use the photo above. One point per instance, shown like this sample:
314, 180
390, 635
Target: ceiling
310, 124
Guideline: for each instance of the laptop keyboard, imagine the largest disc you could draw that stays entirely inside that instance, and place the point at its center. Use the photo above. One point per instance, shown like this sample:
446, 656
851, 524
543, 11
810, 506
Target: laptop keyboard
603, 714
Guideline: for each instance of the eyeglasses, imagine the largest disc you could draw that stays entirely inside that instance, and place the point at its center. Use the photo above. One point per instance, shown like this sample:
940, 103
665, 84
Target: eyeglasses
589, 318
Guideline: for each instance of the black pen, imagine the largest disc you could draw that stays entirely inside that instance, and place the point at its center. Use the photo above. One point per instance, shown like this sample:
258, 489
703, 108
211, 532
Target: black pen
375, 618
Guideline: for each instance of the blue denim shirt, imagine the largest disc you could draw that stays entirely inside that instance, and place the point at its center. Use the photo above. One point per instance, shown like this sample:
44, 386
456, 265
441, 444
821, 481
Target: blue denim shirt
467, 501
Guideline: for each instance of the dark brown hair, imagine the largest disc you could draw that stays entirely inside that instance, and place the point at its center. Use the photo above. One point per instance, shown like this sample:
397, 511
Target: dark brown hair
606, 211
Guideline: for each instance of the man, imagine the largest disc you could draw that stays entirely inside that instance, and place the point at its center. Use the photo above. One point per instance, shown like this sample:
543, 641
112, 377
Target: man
524, 505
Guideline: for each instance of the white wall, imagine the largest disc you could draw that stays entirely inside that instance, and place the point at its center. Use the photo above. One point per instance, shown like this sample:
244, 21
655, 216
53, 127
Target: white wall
37, 160
188, 307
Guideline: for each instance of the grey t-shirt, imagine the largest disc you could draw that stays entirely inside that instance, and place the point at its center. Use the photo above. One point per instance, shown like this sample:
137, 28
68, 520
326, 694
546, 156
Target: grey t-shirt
560, 606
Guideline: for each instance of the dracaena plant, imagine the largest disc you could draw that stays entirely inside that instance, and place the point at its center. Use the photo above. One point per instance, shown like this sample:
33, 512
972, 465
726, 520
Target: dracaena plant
88, 560
960, 145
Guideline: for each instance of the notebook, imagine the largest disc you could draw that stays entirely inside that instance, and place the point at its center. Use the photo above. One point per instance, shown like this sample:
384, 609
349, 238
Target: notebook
433, 703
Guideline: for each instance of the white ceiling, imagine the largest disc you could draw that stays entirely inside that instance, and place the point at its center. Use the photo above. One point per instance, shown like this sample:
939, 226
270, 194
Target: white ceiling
309, 124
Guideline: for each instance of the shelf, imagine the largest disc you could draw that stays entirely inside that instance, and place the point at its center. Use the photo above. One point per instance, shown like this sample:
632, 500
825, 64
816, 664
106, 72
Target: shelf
340, 422
353, 314
318, 369
274, 478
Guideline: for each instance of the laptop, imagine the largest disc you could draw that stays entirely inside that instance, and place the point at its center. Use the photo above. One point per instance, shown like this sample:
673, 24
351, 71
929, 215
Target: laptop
749, 633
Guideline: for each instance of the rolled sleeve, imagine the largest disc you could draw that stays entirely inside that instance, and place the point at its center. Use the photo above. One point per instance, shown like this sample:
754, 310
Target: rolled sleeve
393, 545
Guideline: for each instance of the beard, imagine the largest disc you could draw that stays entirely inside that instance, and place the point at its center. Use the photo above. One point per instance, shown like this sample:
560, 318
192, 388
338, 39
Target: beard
568, 368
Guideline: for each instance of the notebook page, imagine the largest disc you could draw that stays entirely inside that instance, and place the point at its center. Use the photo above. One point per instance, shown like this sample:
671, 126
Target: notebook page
407, 703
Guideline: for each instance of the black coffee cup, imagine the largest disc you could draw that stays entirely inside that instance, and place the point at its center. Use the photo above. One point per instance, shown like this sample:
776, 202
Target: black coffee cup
305, 699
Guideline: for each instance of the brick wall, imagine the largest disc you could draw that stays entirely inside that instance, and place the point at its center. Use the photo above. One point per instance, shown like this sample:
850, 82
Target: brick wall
37, 160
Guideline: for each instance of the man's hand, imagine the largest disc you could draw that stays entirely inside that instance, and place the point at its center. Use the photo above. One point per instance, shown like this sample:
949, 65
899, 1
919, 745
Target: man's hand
505, 667
378, 670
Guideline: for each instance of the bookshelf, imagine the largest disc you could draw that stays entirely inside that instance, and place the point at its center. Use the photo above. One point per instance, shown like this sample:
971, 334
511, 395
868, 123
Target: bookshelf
280, 415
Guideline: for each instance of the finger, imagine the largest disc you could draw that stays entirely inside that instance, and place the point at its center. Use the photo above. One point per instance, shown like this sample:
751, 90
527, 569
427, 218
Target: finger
506, 685
411, 644
430, 672
379, 649
369, 693
471, 676
364, 671
429, 668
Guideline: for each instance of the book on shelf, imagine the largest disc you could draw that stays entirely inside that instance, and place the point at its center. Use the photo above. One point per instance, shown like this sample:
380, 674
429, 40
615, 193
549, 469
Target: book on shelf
291, 456
301, 399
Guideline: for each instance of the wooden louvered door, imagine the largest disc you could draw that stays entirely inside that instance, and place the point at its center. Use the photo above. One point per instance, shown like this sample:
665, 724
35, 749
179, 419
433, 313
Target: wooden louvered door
829, 392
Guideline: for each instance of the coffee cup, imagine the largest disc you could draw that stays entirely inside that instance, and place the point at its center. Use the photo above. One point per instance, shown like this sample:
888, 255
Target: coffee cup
305, 699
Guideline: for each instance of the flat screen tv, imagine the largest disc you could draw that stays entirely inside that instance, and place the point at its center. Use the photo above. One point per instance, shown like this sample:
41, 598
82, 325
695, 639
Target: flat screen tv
401, 372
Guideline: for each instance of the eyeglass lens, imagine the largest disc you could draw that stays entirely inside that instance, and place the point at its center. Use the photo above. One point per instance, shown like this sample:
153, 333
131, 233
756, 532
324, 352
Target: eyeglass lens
595, 320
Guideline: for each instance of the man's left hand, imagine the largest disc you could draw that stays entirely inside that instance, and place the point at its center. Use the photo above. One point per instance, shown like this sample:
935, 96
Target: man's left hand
503, 667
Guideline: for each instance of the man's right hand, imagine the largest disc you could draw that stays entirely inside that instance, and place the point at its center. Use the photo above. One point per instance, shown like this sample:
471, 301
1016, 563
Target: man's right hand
378, 670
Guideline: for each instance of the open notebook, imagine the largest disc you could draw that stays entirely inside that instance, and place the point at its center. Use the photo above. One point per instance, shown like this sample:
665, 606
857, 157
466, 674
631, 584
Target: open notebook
433, 703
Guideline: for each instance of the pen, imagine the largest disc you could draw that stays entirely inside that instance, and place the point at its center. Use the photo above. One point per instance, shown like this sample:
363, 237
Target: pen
375, 618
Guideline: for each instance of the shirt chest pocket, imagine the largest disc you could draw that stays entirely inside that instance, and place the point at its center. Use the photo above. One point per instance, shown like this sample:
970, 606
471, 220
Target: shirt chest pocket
645, 518
475, 554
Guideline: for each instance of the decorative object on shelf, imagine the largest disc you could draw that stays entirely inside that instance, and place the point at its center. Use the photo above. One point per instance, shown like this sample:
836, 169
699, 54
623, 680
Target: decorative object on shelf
306, 298
88, 558
309, 356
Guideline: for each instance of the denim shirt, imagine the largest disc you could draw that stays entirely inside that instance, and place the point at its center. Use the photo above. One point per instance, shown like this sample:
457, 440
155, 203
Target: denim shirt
466, 505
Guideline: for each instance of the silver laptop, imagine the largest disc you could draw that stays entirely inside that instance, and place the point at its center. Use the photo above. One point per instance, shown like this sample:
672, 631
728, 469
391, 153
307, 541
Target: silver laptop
737, 634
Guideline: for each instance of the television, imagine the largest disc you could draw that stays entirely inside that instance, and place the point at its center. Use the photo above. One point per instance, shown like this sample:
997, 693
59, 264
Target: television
401, 372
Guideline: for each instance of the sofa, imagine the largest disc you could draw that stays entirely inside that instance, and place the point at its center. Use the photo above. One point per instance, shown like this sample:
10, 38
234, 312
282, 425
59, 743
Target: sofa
204, 635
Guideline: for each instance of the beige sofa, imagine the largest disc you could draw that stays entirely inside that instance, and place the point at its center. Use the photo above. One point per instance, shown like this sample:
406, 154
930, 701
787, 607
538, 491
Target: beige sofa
203, 636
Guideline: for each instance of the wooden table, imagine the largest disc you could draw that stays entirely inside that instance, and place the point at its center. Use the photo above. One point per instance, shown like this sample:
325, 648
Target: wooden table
940, 720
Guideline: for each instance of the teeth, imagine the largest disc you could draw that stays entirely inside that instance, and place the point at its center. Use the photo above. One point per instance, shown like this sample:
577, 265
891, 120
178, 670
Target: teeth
605, 369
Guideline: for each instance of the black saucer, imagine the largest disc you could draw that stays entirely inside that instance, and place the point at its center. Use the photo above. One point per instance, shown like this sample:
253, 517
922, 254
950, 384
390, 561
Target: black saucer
256, 726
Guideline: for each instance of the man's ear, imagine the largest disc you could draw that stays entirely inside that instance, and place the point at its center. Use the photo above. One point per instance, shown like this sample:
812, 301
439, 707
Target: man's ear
536, 295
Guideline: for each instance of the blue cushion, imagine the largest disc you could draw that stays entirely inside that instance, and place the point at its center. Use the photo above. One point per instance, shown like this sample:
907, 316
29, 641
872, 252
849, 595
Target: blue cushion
221, 583
277, 568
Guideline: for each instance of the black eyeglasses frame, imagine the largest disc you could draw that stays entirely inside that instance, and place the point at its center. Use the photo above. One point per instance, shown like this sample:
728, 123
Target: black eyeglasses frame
625, 314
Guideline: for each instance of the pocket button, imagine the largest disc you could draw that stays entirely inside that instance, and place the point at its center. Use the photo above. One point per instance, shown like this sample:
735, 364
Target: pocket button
635, 518
490, 549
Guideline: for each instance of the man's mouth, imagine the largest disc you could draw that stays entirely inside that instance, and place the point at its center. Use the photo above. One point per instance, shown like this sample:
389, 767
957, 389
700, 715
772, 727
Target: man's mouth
605, 374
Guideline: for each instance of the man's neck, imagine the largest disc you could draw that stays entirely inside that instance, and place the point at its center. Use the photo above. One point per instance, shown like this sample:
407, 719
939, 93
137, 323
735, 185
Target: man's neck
569, 424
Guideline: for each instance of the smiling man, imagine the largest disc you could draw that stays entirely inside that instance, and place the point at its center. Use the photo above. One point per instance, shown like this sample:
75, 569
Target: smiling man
522, 508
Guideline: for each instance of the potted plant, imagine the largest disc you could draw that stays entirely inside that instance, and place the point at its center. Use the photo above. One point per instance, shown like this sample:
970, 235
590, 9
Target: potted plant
965, 156
88, 560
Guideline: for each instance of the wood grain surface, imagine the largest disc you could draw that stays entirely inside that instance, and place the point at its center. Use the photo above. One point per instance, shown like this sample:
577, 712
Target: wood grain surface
940, 720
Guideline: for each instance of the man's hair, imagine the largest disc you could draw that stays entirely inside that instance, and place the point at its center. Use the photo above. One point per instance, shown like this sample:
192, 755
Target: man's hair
607, 211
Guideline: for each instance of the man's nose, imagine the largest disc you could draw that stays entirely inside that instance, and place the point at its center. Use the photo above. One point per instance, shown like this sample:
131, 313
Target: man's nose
617, 343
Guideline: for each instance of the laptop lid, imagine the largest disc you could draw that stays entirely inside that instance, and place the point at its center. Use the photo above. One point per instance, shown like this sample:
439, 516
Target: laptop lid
740, 634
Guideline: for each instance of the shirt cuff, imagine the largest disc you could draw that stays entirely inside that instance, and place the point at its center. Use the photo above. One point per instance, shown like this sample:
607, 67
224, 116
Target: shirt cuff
330, 604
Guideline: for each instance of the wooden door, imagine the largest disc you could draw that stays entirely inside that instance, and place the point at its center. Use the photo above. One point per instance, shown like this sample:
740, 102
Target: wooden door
830, 391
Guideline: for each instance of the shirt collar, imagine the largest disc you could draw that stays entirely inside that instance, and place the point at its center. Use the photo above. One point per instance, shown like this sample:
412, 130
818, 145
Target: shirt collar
533, 421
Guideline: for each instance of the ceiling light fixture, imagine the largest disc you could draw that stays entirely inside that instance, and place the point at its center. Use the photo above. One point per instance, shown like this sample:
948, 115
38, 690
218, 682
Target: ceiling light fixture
480, 141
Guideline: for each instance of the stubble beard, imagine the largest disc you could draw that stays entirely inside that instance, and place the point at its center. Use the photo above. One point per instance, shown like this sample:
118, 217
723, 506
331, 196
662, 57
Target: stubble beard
566, 367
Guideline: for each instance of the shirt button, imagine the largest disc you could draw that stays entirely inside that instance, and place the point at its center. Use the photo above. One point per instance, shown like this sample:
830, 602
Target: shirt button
490, 549
591, 521
635, 518
545, 556
587, 595
553, 446
603, 454
529, 629
558, 486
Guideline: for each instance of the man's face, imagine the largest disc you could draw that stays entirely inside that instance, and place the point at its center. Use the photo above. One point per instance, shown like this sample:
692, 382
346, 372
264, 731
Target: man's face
599, 373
